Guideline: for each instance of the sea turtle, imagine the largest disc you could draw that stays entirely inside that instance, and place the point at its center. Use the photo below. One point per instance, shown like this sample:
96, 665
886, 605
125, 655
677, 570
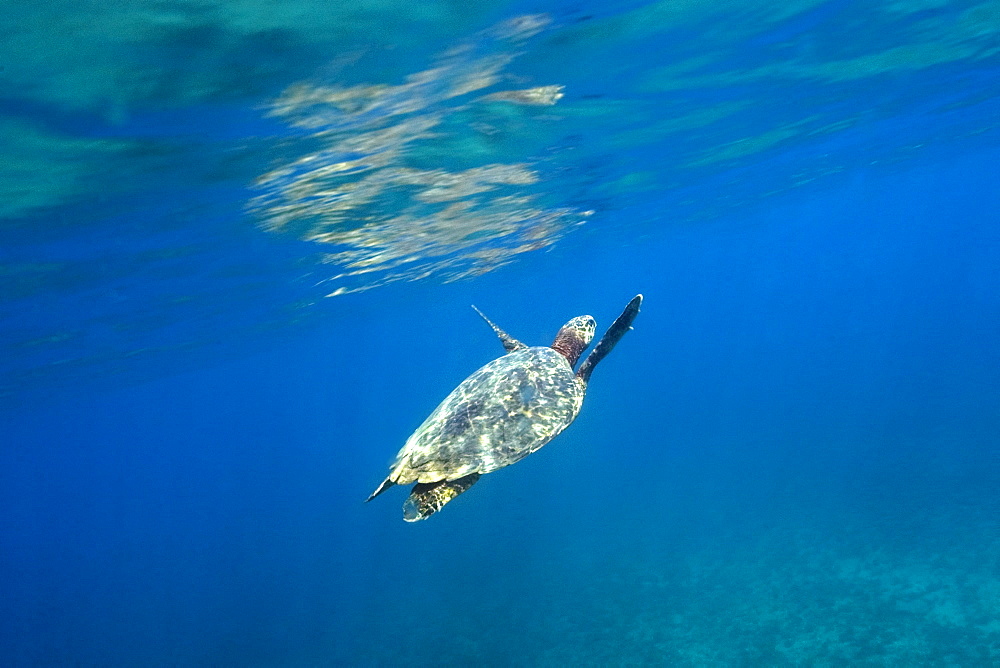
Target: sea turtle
501, 413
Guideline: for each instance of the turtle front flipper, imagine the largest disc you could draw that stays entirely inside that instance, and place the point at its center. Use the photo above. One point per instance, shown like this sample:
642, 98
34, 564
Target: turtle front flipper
426, 498
510, 344
615, 332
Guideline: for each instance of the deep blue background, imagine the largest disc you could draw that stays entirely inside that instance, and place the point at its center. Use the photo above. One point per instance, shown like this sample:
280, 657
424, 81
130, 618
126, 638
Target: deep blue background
792, 460
823, 370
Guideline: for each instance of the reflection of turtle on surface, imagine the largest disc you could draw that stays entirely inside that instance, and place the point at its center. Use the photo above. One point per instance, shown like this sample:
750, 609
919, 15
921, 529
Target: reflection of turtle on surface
503, 412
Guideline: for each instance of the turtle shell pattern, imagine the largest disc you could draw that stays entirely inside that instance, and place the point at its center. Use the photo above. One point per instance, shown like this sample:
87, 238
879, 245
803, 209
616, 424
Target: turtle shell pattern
500, 414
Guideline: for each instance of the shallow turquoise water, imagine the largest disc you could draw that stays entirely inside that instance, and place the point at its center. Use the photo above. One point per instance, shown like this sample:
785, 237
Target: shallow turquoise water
238, 246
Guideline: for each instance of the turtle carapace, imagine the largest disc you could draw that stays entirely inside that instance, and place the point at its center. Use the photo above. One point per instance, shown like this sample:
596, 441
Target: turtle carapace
501, 413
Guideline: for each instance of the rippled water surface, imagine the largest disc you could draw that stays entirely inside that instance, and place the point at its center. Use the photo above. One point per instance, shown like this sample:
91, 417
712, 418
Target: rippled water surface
176, 164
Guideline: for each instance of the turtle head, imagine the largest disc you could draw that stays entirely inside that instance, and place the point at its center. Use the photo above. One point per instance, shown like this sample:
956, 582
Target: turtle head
574, 337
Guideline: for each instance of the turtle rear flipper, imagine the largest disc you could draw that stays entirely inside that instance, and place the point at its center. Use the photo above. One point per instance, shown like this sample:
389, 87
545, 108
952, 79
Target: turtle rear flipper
386, 484
427, 498
611, 337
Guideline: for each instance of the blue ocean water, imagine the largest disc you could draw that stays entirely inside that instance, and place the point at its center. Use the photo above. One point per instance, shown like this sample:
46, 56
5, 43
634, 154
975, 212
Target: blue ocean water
238, 245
